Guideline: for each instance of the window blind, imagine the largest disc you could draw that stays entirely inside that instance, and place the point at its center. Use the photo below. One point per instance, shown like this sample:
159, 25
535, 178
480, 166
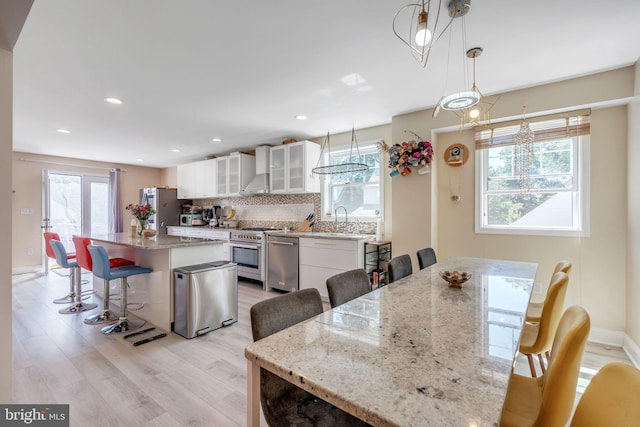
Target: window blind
545, 128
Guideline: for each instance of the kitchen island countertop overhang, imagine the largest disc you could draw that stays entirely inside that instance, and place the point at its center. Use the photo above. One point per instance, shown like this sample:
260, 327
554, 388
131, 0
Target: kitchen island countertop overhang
162, 254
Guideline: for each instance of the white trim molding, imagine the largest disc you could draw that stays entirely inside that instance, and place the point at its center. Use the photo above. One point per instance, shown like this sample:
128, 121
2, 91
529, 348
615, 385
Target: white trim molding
606, 337
632, 349
617, 339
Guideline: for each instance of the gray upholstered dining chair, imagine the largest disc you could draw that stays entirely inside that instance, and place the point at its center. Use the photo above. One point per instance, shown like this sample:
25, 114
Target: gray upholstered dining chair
344, 287
399, 267
283, 403
426, 257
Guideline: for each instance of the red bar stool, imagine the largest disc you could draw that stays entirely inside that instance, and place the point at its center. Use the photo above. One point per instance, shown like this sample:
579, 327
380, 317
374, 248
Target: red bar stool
101, 269
83, 258
61, 257
71, 296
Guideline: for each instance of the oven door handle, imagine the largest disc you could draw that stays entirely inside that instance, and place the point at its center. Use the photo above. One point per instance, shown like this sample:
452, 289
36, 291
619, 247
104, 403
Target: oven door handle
246, 246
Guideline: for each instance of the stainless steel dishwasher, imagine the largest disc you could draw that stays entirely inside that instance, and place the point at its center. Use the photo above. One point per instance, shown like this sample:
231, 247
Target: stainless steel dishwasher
205, 298
282, 263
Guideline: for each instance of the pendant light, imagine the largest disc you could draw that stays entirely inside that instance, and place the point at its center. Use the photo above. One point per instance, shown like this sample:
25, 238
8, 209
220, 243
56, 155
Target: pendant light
353, 163
420, 25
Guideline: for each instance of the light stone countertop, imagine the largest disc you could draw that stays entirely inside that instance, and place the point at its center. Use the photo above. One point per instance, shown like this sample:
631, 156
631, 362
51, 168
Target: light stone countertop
321, 235
414, 353
156, 242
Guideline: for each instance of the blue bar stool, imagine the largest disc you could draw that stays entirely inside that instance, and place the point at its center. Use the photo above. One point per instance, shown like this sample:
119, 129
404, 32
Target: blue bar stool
102, 269
63, 260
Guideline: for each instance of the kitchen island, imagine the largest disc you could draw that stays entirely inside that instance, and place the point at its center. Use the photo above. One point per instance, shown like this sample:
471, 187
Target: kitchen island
163, 254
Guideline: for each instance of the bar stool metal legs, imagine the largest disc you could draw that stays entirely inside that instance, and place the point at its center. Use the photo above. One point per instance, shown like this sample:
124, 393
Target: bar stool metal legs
78, 306
124, 323
105, 315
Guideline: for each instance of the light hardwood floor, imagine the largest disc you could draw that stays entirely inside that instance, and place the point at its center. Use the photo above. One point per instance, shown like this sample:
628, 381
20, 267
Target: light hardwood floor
169, 382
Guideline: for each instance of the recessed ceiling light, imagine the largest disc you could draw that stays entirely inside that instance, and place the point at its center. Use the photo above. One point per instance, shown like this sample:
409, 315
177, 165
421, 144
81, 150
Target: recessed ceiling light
115, 101
301, 117
63, 131
216, 139
175, 150
139, 160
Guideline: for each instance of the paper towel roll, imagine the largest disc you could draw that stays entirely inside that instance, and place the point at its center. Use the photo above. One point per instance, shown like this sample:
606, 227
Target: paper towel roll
379, 230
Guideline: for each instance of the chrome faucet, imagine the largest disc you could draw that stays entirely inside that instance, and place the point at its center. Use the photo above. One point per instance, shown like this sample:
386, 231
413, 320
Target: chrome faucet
346, 218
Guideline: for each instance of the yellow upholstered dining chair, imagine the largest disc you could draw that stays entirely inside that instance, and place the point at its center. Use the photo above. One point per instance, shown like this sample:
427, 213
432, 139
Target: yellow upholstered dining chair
611, 398
547, 401
534, 311
537, 338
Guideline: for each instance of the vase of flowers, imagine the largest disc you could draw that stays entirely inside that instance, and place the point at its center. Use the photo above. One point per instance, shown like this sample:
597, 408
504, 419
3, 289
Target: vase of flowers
418, 153
142, 213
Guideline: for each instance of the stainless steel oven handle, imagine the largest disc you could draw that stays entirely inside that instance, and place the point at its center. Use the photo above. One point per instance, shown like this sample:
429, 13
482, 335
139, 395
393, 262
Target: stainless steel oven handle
246, 246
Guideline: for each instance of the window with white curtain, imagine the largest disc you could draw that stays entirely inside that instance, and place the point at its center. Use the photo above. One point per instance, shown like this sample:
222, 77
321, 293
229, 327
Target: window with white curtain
548, 194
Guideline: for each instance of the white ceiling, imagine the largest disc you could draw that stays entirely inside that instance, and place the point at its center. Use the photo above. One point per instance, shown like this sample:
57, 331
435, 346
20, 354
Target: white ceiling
189, 71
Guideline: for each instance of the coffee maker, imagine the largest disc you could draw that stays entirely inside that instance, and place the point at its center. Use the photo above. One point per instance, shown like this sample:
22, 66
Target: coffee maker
216, 216
207, 215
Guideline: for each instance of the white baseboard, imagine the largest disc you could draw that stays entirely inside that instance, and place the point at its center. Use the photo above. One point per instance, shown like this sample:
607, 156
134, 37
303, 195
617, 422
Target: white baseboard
617, 339
607, 337
632, 349
27, 269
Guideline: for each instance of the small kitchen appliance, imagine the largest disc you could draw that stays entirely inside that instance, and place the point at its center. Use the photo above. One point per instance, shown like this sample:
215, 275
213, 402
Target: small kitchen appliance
216, 216
189, 219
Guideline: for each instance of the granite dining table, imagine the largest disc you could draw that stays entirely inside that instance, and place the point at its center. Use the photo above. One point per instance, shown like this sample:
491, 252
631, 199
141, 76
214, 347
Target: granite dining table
414, 353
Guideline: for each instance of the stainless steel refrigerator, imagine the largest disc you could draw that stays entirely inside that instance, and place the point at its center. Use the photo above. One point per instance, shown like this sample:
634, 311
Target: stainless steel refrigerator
167, 205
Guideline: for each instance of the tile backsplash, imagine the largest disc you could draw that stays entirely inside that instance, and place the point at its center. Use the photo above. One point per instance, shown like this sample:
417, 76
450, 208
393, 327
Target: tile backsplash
284, 210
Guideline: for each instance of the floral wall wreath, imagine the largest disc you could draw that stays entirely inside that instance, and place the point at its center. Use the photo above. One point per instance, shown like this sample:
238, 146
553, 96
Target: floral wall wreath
416, 153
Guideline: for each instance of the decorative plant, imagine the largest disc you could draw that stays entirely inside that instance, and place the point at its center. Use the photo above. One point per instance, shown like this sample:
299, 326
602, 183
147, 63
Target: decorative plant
410, 153
142, 214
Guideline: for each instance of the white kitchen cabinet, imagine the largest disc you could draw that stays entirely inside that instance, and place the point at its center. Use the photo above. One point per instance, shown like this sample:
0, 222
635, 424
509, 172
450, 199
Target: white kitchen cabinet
197, 180
323, 258
204, 233
234, 173
290, 168
186, 176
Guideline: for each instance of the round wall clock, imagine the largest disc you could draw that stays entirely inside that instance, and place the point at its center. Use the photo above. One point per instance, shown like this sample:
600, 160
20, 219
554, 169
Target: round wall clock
456, 155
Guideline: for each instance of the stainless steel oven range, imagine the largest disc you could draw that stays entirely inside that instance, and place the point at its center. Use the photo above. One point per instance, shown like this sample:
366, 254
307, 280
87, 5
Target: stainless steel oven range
248, 251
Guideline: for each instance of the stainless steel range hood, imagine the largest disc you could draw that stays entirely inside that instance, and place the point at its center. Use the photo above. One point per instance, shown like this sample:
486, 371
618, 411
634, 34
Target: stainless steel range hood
260, 183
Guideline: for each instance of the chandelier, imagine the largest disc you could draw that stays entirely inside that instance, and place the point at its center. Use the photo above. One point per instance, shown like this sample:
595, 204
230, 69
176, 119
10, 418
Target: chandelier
524, 155
419, 23
352, 164
470, 106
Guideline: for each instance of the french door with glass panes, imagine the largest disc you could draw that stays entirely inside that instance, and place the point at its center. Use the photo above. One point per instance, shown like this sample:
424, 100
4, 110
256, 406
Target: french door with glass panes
74, 204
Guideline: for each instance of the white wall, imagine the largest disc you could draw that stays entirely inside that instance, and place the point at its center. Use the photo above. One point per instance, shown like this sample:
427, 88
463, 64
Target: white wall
633, 240
6, 107
423, 214
598, 274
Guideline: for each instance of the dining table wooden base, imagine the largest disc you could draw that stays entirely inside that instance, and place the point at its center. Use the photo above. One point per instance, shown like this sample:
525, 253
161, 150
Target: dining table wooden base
414, 353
